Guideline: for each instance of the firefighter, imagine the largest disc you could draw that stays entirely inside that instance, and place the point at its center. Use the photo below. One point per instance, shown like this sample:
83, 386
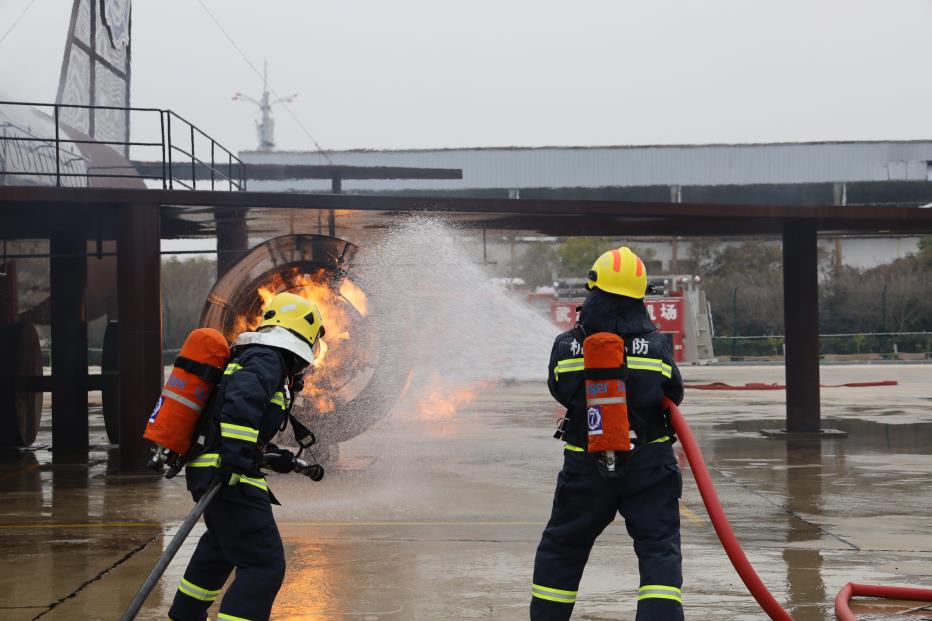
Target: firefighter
647, 484
250, 406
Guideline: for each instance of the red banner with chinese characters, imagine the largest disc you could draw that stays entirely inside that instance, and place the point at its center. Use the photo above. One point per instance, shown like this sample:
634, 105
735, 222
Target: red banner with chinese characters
665, 313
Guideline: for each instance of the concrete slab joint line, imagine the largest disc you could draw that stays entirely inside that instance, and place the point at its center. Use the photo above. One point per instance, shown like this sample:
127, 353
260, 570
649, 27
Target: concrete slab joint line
100, 575
787, 511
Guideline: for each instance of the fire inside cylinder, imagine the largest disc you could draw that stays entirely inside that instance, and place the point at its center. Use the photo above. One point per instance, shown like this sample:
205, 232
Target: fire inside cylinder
340, 370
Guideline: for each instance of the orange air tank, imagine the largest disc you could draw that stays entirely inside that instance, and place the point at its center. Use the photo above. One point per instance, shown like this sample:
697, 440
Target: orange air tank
606, 395
197, 371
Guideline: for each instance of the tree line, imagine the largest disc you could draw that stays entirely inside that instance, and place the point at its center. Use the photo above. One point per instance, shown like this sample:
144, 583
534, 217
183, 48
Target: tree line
743, 283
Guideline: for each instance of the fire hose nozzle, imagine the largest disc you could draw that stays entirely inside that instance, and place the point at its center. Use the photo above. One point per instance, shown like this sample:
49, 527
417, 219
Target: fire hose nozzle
314, 472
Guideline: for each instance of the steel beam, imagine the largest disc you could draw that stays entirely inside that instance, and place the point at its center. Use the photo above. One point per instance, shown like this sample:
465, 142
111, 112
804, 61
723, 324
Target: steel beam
266, 172
140, 304
528, 214
801, 319
68, 280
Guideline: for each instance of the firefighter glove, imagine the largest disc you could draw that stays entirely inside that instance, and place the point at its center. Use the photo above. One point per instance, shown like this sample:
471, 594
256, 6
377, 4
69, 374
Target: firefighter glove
284, 462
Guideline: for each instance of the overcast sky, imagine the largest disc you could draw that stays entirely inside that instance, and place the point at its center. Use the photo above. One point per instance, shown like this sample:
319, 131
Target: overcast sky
429, 73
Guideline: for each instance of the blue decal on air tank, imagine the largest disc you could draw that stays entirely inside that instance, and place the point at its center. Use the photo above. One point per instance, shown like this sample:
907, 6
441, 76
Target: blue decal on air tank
155, 411
176, 382
595, 420
594, 390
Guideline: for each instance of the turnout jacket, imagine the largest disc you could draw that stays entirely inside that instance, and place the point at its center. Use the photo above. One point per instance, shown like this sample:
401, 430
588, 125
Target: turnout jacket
652, 373
249, 407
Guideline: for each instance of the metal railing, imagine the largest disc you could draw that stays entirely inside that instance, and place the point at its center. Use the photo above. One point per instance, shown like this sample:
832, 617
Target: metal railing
883, 343
36, 147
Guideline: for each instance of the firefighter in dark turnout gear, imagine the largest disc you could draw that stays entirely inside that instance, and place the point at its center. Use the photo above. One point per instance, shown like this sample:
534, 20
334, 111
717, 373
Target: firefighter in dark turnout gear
648, 486
250, 406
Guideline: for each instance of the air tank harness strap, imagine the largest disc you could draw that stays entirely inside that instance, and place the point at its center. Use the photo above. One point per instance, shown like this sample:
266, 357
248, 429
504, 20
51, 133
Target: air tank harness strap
578, 449
620, 373
202, 370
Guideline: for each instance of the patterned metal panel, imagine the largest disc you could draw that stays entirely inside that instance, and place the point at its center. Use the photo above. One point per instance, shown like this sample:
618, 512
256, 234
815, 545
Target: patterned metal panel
82, 25
114, 54
77, 90
110, 90
99, 77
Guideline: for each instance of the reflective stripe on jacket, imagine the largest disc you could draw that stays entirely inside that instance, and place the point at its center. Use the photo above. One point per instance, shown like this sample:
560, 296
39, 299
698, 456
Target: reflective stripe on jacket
652, 373
250, 408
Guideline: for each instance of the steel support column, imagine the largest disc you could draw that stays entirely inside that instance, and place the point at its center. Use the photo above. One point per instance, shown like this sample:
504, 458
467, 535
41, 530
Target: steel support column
9, 292
801, 319
140, 302
232, 238
336, 187
68, 283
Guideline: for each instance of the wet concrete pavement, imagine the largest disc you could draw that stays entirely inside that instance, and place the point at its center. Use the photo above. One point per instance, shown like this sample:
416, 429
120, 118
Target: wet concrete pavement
436, 514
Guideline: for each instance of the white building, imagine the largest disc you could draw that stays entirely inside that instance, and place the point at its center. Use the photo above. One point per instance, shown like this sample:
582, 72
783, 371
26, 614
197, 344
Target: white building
783, 173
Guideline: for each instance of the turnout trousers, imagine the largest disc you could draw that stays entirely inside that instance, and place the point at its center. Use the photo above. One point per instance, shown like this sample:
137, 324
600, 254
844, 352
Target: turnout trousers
241, 536
647, 496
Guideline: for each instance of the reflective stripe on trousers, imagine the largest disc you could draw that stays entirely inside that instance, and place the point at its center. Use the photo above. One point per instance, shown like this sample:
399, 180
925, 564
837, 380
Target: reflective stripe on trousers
553, 595
660, 591
199, 593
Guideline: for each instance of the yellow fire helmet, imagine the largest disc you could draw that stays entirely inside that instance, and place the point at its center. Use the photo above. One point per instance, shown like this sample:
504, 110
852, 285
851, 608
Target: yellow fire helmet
297, 315
621, 272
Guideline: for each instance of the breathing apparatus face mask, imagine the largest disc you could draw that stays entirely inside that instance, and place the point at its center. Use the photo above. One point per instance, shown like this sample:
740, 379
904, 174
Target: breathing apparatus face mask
296, 383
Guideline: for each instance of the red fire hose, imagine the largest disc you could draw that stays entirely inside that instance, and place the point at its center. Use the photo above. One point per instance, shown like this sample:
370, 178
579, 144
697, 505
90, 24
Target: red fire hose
733, 548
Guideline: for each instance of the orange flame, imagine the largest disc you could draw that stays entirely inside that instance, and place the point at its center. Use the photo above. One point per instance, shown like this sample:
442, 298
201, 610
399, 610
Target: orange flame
334, 305
355, 296
441, 403
440, 400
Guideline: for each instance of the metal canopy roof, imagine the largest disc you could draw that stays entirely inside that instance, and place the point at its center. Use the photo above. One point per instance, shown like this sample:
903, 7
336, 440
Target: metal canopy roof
26, 211
628, 166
